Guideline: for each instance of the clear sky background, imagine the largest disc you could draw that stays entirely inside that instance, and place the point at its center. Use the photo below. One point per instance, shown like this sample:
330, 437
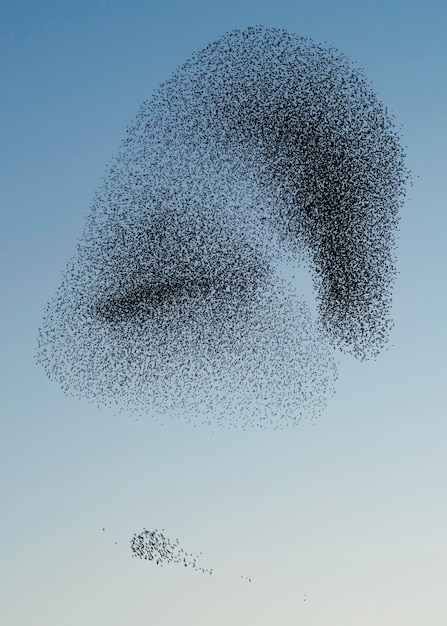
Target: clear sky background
352, 511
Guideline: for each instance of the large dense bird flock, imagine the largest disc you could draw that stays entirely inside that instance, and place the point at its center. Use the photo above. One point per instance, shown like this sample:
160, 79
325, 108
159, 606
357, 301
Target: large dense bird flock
264, 150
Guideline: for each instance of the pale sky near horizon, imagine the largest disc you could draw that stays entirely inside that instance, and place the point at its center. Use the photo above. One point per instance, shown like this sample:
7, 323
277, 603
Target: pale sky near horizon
349, 513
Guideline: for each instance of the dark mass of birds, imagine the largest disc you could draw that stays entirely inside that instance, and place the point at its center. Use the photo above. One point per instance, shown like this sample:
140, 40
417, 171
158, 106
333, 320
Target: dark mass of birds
264, 148
153, 545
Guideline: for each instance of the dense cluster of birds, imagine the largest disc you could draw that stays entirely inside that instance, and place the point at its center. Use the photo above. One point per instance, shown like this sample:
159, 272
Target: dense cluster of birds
264, 150
153, 545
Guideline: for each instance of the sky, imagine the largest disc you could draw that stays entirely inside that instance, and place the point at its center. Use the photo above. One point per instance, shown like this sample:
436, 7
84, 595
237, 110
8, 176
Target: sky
337, 523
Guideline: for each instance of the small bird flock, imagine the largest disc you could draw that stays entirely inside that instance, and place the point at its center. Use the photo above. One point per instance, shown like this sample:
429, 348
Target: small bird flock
153, 545
264, 149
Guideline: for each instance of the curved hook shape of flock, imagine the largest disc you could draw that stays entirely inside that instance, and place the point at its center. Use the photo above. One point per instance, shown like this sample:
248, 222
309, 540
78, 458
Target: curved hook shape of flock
263, 148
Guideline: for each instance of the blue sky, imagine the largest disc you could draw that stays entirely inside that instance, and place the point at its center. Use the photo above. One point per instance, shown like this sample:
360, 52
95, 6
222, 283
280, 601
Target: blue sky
352, 511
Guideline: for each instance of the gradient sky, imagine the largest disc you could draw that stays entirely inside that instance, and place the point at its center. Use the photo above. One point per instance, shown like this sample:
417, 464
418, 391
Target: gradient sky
352, 511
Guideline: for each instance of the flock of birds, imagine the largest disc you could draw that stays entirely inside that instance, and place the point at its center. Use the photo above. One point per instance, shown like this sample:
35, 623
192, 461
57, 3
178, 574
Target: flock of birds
153, 545
262, 150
